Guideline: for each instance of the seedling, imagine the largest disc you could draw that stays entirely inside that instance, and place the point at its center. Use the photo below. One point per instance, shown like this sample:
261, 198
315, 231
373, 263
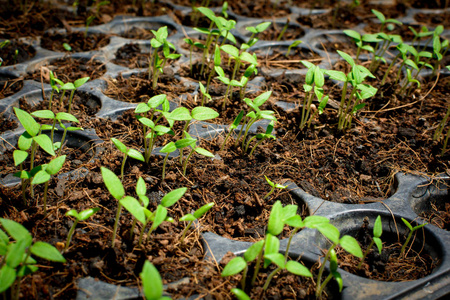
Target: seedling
440, 129
274, 186
152, 283
192, 44
168, 148
157, 64
53, 82
45, 173
190, 142
255, 31
145, 113
17, 262
293, 45
199, 113
127, 152
283, 31
204, 94
347, 242
232, 127
69, 86
193, 217
31, 138
261, 137
359, 92
377, 231
411, 231
79, 216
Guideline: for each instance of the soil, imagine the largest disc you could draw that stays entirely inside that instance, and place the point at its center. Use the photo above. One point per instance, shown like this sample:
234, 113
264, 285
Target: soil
16, 52
78, 41
392, 133
279, 60
9, 86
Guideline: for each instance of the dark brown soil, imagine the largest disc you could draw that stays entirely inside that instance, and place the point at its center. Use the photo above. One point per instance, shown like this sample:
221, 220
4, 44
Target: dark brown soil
10, 86
78, 41
16, 52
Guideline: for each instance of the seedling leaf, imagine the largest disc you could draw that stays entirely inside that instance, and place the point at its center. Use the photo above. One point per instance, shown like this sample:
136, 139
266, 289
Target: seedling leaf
151, 281
172, 197
234, 266
298, 269
113, 183
47, 251
350, 244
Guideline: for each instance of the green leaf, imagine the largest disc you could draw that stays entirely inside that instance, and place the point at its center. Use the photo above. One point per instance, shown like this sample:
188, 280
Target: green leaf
24, 142
272, 246
295, 221
319, 79
259, 100
113, 183
141, 108
336, 75
202, 113
80, 82
298, 269
73, 213
350, 244
207, 12
141, 188
45, 143
170, 147
234, 266
407, 224
289, 210
160, 216
379, 15
203, 152
41, 177
7, 277
55, 165
27, 121
377, 227
187, 217
378, 243
262, 26
66, 117
87, 213
172, 197
253, 251
203, 210
44, 114
121, 146
133, 153
338, 279
231, 50
245, 56
134, 207
347, 58
419, 226
151, 282
180, 114
47, 251
19, 156
329, 231
186, 142
313, 221
240, 294
68, 86
353, 34
276, 258
16, 253
275, 224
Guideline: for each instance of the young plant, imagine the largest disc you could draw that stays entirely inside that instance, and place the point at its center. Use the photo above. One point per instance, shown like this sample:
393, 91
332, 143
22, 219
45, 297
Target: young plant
377, 231
255, 31
79, 216
293, 45
157, 64
314, 82
261, 137
205, 94
193, 217
199, 113
168, 148
17, 262
188, 141
69, 86
149, 114
232, 127
53, 83
274, 186
152, 285
440, 129
30, 139
127, 152
359, 91
411, 231
45, 173
347, 242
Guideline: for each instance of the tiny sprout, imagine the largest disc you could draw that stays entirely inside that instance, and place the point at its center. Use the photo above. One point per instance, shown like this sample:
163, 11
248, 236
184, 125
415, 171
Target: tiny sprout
285, 27
274, 186
233, 126
127, 152
293, 45
79, 216
377, 231
152, 283
67, 47
412, 229
195, 216
169, 148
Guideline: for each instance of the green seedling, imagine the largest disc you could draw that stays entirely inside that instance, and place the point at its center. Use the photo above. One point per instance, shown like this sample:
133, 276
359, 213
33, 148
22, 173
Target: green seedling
157, 64
190, 142
30, 139
152, 285
239, 56
360, 91
199, 113
67, 47
204, 94
419, 35
44, 175
440, 129
193, 217
274, 186
149, 114
16, 248
69, 86
65, 128
79, 216
192, 44
3, 44
168, 148
377, 231
267, 251
255, 115
293, 45
283, 31
384, 22
255, 31
360, 39
382, 47
53, 82
411, 231
127, 152
261, 137
347, 242
314, 81
232, 127
252, 69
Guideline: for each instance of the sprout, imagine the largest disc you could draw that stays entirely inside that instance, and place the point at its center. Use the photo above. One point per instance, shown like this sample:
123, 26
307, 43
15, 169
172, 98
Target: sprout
127, 152
195, 216
152, 283
377, 231
79, 216
274, 186
411, 231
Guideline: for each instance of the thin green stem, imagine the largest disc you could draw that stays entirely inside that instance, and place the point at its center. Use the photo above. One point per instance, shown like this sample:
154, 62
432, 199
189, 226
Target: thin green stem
269, 278
69, 236
116, 223
183, 235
